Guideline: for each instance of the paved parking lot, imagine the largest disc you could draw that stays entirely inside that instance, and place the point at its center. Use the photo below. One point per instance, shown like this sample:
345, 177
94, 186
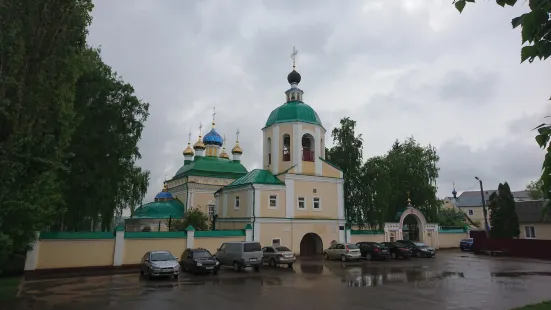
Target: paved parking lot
451, 280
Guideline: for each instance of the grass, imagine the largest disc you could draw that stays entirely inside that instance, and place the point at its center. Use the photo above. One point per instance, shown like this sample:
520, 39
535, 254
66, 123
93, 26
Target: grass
9, 287
546, 305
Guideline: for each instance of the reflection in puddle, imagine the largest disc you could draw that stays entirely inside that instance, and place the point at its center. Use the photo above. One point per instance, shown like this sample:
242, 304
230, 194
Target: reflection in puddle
516, 274
355, 277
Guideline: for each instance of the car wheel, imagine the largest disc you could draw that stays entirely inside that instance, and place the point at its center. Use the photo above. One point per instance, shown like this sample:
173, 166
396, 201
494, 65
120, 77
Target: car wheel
149, 275
368, 256
272, 263
141, 272
393, 255
418, 254
326, 256
236, 267
343, 258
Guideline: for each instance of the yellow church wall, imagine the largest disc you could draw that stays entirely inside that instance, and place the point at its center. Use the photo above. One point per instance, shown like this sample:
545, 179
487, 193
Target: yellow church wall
291, 233
329, 171
201, 200
212, 244
326, 191
308, 168
134, 249
231, 225
450, 240
265, 209
75, 253
245, 199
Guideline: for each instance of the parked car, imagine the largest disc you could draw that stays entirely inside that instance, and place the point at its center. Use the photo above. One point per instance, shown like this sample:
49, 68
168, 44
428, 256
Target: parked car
397, 250
240, 254
199, 260
278, 255
419, 249
344, 251
466, 244
373, 250
159, 263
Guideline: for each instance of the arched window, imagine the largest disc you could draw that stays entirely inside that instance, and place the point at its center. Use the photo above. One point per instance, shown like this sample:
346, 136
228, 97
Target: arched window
269, 150
308, 147
286, 147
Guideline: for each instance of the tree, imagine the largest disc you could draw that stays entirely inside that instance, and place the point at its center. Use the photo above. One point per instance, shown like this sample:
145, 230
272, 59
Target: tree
41, 47
451, 217
536, 41
194, 217
347, 154
109, 123
503, 217
535, 189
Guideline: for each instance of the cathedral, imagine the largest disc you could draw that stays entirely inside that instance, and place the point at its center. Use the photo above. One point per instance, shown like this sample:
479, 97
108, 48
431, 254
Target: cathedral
297, 200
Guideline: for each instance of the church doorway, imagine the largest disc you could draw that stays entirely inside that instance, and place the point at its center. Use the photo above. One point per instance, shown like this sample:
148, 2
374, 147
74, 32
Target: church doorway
311, 245
410, 228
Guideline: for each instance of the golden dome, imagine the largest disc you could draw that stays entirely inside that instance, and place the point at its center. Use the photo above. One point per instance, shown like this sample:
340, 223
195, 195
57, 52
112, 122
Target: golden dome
199, 145
188, 150
224, 154
237, 149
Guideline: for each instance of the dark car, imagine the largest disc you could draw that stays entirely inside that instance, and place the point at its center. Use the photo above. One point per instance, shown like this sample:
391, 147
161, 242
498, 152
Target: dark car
397, 250
373, 250
199, 261
466, 244
159, 263
419, 249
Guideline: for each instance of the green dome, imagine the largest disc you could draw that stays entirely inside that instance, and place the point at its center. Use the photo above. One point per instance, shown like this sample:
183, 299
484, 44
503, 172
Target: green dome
294, 111
160, 210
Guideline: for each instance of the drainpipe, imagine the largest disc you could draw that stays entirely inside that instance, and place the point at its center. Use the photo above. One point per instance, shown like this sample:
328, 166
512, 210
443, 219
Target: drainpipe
254, 213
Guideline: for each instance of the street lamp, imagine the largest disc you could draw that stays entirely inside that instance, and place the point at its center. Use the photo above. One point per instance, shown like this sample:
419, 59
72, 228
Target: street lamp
486, 227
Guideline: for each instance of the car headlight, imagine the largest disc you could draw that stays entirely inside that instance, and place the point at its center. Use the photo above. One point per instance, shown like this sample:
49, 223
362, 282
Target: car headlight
199, 264
217, 263
424, 250
177, 267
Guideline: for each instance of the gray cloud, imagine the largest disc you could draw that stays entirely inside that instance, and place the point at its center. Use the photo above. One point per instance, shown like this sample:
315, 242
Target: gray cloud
399, 68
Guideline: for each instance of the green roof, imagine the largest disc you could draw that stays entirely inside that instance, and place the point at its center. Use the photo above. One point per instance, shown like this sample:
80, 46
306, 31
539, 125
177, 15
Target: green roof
294, 111
210, 166
160, 210
257, 176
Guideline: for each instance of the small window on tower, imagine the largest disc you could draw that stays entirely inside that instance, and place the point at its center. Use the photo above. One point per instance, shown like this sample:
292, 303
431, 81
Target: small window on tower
273, 201
301, 203
236, 206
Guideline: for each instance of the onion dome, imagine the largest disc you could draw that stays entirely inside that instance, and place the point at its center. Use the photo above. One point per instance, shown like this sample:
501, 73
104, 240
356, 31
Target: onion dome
199, 145
294, 77
237, 149
454, 192
224, 154
188, 151
213, 138
164, 194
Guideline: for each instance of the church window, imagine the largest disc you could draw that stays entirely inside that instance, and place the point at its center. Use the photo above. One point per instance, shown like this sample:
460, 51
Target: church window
286, 147
316, 203
269, 150
307, 147
273, 201
301, 203
236, 206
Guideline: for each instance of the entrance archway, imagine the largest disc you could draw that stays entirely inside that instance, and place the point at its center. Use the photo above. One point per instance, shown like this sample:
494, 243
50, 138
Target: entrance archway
411, 228
311, 245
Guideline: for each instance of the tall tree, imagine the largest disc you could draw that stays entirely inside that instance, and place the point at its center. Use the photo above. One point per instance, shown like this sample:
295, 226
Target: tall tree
41, 45
503, 217
535, 189
347, 154
110, 122
375, 193
536, 43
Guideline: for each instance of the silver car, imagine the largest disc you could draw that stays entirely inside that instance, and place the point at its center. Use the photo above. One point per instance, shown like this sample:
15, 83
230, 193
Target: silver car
159, 263
278, 255
343, 251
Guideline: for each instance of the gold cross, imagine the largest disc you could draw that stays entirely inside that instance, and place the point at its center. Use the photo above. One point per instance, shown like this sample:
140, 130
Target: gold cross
200, 128
294, 56
237, 134
213, 115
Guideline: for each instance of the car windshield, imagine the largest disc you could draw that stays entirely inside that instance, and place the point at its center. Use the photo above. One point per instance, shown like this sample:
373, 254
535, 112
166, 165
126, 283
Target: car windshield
155, 257
352, 246
283, 249
377, 245
467, 240
202, 254
421, 243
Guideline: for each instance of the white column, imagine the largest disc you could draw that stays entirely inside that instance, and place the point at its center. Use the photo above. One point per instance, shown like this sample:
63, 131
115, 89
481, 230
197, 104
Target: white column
32, 254
317, 151
297, 147
290, 198
248, 233
342, 233
190, 237
348, 234
275, 149
224, 204
340, 200
119, 248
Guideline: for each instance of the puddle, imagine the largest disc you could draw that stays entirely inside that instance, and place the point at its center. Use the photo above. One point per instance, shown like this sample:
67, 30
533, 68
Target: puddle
516, 274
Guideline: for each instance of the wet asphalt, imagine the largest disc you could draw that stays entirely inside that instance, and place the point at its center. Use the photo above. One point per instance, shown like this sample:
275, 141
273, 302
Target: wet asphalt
451, 280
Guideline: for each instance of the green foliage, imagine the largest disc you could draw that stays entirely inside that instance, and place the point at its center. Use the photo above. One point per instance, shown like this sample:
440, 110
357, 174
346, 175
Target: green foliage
535, 189
41, 47
194, 217
536, 40
104, 146
451, 217
347, 154
503, 215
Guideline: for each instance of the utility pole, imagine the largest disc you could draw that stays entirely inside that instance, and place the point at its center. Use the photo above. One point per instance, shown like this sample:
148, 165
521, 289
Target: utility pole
486, 226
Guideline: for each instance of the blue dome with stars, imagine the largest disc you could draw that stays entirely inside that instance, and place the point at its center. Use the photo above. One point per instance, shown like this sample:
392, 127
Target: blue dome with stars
213, 138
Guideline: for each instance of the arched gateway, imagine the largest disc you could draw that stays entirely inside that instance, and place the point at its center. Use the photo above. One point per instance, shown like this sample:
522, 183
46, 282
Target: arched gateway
412, 225
311, 245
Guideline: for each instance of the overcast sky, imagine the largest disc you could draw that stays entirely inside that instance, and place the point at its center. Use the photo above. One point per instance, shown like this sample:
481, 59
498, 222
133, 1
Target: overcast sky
399, 68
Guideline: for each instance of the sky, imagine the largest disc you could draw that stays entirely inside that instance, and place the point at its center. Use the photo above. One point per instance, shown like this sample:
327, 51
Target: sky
398, 68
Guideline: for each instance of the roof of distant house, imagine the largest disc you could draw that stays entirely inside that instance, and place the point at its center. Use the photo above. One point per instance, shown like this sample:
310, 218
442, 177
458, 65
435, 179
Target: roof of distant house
530, 212
473, 199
